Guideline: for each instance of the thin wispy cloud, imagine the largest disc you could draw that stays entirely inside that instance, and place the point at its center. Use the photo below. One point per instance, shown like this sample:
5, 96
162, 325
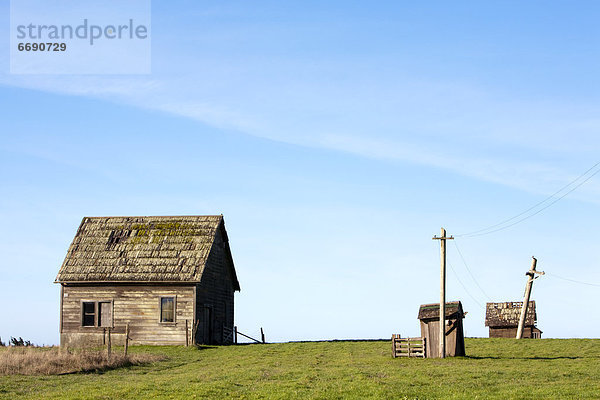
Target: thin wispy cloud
501, 153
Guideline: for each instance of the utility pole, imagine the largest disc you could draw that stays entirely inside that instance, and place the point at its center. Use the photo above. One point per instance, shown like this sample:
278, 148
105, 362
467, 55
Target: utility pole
442, 344
530, 277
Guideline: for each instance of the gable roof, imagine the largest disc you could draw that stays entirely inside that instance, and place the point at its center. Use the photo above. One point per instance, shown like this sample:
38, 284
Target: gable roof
143, 249
432, 311
507, 314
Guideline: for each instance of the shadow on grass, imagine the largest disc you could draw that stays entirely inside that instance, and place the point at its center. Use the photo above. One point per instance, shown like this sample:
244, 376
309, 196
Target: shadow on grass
204, 347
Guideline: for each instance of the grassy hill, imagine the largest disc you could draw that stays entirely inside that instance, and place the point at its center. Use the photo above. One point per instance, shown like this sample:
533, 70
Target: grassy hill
494, 369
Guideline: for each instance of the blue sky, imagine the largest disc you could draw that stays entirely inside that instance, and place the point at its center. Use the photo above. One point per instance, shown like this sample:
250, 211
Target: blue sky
336, 139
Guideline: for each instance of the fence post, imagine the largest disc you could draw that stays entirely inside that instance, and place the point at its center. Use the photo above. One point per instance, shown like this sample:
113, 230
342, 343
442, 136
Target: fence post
235, 334
262, 334
193, 335
126, 338
195, 331
108, 345
187, 334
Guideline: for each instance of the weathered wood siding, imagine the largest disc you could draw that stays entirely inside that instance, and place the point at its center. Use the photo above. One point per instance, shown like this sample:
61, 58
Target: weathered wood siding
511, 332
455, 341
137, 305
214, 294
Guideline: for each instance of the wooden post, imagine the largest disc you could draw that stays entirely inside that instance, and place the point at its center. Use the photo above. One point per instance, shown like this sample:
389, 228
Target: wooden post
195, 331
262, 335
235, 334
108, 345
442, 349
126, 338
530, 277
187, 334
442, 344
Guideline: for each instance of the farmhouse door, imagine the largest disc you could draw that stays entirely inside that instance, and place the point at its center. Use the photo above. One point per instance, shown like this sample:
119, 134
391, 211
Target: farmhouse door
204, 325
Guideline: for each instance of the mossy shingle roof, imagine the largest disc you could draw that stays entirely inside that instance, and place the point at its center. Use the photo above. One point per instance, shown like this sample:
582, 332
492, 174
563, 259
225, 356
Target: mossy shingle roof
507, 314
141, 249
432, 311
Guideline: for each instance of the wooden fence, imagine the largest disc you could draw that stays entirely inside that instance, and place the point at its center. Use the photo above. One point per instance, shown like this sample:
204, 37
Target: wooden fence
408, 347
236, 332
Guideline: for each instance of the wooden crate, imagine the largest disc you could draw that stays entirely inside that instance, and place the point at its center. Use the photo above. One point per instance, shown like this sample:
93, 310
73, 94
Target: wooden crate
408, 347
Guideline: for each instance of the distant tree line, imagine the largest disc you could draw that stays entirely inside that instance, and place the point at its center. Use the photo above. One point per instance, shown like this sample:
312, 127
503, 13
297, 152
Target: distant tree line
17, 342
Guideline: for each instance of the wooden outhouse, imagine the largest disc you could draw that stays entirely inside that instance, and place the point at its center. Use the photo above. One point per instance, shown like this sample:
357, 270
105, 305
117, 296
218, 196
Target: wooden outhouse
503, 320
171, 279
429, 316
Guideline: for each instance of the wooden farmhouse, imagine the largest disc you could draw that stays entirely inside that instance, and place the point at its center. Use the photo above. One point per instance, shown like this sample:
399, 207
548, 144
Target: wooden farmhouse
429, 316
503, 320
172, 279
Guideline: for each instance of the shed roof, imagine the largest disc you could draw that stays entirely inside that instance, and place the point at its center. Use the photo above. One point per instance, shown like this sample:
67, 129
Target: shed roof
507, 314
143, 249
431, 311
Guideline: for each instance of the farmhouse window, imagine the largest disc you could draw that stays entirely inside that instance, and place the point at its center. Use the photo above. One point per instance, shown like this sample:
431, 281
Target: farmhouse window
96, 313
167, 309
88, 313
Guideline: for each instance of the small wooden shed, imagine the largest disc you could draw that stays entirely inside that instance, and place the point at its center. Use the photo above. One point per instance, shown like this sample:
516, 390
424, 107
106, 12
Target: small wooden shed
429, 315
503, 320
170, 278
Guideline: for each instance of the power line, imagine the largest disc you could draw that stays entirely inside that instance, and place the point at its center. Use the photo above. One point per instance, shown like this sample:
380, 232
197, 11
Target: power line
537, 204
464, 287
487, 231
470, 273
572, 280
540, 210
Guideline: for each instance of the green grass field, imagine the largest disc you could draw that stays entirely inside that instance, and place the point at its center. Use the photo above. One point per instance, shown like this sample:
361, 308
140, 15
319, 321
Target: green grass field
494, 369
